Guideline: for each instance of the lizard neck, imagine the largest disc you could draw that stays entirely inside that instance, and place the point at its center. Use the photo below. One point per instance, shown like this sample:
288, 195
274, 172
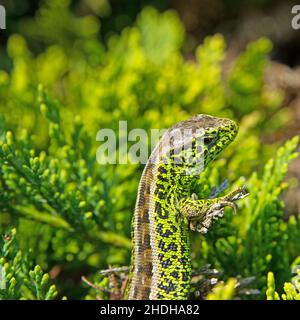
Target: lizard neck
161, 265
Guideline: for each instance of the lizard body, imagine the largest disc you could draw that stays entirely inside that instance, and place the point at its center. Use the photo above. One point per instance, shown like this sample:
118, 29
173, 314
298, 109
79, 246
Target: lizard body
166, 208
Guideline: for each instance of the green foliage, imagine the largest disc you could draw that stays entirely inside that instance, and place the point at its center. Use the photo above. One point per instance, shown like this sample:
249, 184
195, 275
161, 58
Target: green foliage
223, 291
20, 279
291, 289
65, 27
73, 214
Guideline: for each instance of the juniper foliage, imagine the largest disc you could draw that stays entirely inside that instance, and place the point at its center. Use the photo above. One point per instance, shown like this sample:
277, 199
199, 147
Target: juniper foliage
70, 216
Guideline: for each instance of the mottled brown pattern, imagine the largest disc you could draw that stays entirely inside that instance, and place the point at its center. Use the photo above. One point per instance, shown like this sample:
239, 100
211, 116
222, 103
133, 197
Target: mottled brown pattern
142, 250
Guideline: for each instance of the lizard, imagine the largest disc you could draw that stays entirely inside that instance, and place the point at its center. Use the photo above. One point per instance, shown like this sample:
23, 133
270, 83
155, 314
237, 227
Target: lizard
166, 208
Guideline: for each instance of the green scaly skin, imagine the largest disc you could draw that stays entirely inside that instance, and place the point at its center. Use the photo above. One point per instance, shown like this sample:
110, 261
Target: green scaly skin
166, 209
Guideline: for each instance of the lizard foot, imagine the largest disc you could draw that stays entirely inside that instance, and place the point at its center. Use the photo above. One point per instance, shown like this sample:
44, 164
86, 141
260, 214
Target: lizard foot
216, 210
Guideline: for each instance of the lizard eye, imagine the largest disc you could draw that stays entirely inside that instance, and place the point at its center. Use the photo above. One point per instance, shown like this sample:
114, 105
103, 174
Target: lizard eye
208, 140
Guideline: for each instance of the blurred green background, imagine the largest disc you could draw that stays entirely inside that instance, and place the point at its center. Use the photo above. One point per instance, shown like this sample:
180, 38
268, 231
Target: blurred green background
70, 68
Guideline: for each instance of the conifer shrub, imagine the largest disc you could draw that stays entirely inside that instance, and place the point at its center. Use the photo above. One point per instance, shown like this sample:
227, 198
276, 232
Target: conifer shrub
64, 216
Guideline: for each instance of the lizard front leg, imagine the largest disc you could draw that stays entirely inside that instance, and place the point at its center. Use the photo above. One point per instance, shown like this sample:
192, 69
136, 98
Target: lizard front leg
201, 213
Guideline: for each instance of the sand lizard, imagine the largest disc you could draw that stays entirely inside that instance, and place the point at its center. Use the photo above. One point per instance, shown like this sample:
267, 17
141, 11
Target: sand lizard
166, 209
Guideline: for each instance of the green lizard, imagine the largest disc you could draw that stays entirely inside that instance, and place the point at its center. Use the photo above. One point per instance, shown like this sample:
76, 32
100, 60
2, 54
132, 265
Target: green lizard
166, 208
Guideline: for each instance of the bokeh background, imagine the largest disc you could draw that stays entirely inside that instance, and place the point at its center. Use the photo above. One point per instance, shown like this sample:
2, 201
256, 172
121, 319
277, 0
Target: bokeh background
69, 68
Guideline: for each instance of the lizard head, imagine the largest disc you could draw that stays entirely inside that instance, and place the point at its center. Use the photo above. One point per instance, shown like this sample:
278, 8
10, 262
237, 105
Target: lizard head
217, 134
192, 144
